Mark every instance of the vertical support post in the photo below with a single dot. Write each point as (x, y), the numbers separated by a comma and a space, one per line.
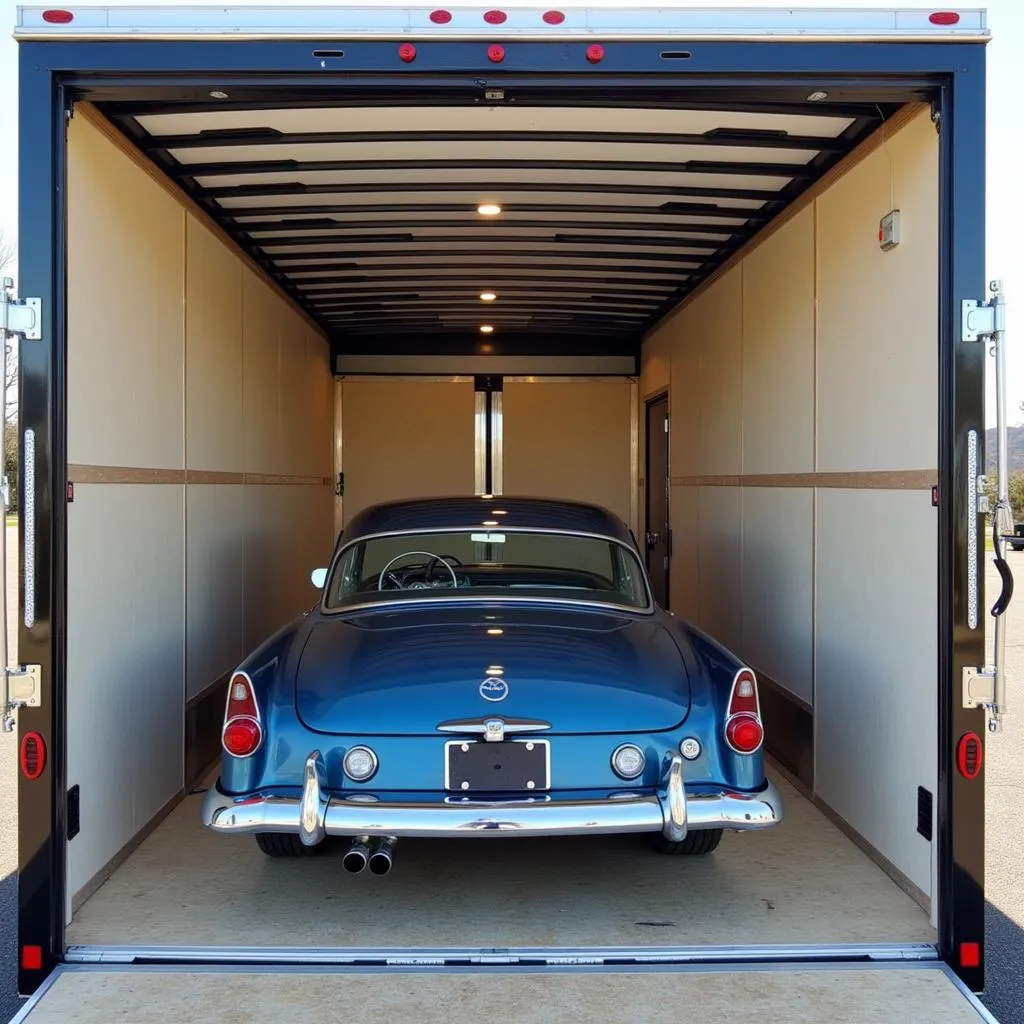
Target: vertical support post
(961, 801)
(41, 256)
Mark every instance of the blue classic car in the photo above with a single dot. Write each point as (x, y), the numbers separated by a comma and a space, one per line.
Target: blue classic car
(488, 667)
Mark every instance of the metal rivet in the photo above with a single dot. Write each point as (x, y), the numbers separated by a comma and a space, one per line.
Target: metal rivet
(465, 747)
(531, 784)
(465, 785)
(529, 746)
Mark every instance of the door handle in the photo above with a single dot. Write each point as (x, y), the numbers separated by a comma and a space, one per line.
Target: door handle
(653, 540)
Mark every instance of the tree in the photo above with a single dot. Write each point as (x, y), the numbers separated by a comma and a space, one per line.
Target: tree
(7, 254)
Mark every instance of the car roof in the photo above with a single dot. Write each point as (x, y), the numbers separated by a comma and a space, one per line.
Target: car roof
(466, 513)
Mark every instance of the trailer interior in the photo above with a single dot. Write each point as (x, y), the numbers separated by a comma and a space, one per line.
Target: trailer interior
(275, 309)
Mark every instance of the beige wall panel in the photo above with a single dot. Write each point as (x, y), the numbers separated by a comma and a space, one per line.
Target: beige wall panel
(778, 351)
(875, 708)
(213, 344)
(569, 440)
(877, 311)
(684, 575)
(684, 397)
(655, 364)
(125, 663)
(405, 439)
(778, 585)
(718, 558)
(293, 400)
(214, 583)
(125, 310)
(261, 375)
(718, 324)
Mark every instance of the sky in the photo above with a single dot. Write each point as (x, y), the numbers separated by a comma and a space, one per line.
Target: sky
(1004, 156)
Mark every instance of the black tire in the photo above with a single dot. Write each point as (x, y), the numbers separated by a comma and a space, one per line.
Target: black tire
(696, 843)
(284, 844)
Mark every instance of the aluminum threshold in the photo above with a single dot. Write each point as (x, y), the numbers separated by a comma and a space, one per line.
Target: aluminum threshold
(522, 956)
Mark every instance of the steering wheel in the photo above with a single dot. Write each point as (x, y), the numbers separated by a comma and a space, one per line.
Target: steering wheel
(434, 559)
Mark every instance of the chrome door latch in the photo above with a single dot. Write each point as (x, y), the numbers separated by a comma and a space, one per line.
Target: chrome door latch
(22, 689)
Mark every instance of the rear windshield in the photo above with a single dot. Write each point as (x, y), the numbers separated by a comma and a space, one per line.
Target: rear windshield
(495, 563)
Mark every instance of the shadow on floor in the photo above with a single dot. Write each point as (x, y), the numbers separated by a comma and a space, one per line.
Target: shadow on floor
(9, 1001)
(1004, 954)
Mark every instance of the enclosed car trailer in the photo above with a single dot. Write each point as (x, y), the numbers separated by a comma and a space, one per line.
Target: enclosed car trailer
(737, 261)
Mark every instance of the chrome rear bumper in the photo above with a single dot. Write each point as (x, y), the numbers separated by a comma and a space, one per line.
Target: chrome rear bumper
(315, 814)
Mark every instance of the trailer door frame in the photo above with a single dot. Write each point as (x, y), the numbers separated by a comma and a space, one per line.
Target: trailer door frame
(52, 74)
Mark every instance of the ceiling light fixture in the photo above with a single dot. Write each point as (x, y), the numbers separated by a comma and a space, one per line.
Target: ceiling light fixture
(488, 296)
(489, 210)
(218, 94)
(818, 94)
(486, 329)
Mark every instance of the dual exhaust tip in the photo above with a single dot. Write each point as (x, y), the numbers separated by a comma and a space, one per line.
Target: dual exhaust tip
(376, 855)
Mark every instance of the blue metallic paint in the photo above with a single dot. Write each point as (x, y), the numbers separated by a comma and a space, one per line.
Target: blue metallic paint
(387, 676)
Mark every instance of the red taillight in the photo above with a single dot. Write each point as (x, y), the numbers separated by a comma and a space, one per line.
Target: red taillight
(944, 18)
(440, 17)
(242, 736)
(595, 53)
(553, 17)
(743, 729)
(495, 17)
(242, 733)
(744, 733)
(57, 17)
(32, 756)
(407, 52)
(969, 755)
(496, 53)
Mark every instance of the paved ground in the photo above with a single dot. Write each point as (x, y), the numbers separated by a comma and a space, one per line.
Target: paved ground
(1005, 850)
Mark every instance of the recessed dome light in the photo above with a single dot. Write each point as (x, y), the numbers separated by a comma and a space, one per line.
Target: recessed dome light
(488, 209)
(486, 329)
(488, 296)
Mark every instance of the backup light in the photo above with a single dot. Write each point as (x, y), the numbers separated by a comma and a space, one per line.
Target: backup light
(628, 761)
(360, 763)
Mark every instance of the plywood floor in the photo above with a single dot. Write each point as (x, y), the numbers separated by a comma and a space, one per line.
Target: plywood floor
(802, 882)
(794, 996)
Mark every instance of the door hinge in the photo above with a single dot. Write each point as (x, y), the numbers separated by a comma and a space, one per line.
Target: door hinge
(23, 317)
(22, 689)
(980, 321)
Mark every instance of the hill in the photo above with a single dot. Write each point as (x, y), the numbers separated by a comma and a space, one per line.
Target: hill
(1014, 449)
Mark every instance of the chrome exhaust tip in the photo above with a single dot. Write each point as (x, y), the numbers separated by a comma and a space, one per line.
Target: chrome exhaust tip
(383, 856)
(358, 855)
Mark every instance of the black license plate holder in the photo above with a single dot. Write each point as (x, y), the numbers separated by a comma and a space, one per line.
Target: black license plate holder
(510, 766)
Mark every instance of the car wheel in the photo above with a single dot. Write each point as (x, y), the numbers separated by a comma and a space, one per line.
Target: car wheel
(283, 844)
(696, 843)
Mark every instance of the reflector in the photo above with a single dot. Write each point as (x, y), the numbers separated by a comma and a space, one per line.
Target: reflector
(407, 52)
(744, 733)
(595, 53)
(242, 737)
(496, 53)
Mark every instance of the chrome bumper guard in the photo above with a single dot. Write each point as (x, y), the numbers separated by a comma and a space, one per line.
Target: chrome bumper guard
(316, 814)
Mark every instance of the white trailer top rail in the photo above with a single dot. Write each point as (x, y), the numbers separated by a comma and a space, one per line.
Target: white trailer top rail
(538, 22)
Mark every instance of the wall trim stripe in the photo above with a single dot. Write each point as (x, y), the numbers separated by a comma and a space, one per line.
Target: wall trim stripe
(873, 480)
(87, 474)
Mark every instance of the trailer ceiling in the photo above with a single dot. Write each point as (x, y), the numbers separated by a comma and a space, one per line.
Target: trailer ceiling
(611, 211)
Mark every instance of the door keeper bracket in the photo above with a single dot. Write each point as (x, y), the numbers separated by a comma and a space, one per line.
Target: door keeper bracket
(979, 687)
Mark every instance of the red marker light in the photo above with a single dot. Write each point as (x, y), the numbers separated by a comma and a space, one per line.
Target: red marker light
(496, 53)
(440, 17)
(970, 954)
(407, 52)
(32, 756)
(595, 53)
(495, 17)
(58, 17)
(944, 18)
(553, 17)
(31, 958)
(970, 755)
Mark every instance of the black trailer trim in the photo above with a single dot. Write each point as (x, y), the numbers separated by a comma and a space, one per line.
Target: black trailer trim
(161, 76)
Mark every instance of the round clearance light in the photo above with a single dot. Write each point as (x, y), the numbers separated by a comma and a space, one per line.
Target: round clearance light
(440, 17)
(690, 748)
(744, 733)
(486, 329)
(496, 53)
(553, 17)
(817, 96)
(495, 17)
(360, 763)
(628, 761)
(489, 210)
(242, 737)
(488, 296)
(407, 53)
(595, 53)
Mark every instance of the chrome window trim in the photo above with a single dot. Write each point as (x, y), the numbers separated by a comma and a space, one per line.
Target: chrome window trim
(647, 609)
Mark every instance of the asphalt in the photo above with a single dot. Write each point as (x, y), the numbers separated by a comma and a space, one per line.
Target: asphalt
(1004, 994)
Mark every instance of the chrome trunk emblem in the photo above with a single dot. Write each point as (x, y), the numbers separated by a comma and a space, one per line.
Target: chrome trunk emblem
(494, 689)
(494, 730)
